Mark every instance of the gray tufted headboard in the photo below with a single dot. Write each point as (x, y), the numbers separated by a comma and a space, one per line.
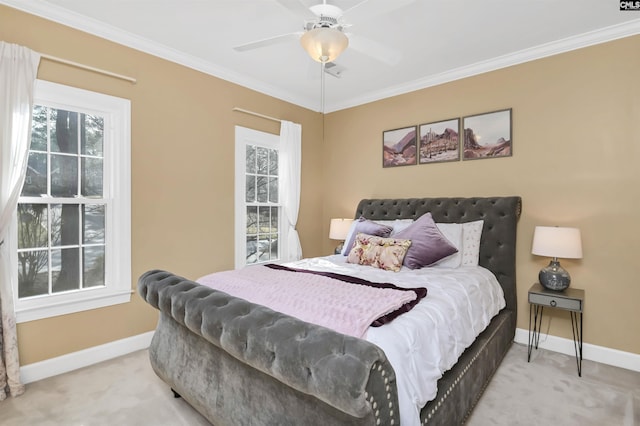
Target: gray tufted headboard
(498, 243)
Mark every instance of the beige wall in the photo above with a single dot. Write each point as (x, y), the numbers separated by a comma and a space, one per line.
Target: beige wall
(182, 171)
(576, 143)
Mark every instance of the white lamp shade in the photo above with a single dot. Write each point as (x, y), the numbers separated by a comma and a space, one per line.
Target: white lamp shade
(339, 229)
(554, 241)
(324, 44)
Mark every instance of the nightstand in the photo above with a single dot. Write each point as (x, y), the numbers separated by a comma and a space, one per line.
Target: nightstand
(571, 300)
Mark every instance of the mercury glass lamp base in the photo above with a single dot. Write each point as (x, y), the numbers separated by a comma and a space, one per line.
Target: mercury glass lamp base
(338, 249)
(554, 277)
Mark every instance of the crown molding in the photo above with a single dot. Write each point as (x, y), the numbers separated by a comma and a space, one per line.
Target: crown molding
(108, 32)
(568, 44)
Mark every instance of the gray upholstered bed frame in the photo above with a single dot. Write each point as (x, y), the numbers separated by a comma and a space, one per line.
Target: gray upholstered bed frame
(238, 363)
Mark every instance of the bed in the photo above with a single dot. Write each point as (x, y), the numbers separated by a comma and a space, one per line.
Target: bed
(240, 363)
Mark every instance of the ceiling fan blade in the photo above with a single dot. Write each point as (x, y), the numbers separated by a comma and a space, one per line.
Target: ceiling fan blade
(368, 9)
(374, 49)
(283, 38)
(298, 8)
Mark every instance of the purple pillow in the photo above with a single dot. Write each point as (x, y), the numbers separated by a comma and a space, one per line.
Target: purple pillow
(428, 245)
(365, 226)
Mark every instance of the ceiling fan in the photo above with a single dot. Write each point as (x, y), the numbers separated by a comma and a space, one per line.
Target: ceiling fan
(324, 37)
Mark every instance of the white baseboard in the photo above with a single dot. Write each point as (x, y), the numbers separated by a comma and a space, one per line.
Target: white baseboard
(608, 356)
(75, 360)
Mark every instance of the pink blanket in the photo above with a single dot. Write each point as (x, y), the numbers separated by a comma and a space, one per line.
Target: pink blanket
(344, 307)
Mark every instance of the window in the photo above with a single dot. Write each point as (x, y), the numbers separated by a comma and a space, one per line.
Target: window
(72, 227)
(258, 209)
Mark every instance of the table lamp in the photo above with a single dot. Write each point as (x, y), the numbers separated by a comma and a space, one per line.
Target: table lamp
(338, 230)
(556, 242)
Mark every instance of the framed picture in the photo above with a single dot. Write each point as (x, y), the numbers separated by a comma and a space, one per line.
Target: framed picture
(439, 141)
(487, 135)
(399, 147)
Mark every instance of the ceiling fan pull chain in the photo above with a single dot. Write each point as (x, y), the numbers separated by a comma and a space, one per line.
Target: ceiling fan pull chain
(322, 87)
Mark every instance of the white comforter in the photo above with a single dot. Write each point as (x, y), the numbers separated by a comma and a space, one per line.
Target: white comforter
(428, 340)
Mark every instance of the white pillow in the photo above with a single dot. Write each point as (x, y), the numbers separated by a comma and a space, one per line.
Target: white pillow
(452, 232)
(352, 228)
(471, 234)
(397, 225)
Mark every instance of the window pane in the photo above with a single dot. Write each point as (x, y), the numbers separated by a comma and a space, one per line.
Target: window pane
(252, 220)
(273, 189)
(64, 176)
(65, 269)
(33, 273)
(35, 182)
(93, 267)
(93, 224)
(264, 248)
(251, 159)
(92, 135)
(263, 160)
(274, 246)
(274, 219)
(65, 229)
(262, 187)
(64, 132)
(39, 129)
(273, 162)
(252, 250)
(251, 189)
(264, 219)
(92, 177)
(32, 226)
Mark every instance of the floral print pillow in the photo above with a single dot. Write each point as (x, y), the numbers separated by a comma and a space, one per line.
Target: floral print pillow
(379, 252)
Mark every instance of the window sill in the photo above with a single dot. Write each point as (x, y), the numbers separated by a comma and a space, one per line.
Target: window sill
(64, 307)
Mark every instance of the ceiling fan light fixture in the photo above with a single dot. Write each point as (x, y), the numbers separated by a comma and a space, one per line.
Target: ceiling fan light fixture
(324, 44)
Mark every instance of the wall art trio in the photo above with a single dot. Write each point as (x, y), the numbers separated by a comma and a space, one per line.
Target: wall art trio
(486, 135)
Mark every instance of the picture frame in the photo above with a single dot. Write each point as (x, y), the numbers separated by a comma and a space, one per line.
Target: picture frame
(439, 141)
(399, 147)
(487, 135)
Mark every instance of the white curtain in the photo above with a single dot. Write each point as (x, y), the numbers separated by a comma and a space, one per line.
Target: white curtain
(290, 144)
(18, 68)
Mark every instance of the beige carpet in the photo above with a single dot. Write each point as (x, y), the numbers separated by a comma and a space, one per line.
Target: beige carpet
(547, 391)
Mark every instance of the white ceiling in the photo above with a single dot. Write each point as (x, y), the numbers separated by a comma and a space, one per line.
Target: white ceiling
(436, 40)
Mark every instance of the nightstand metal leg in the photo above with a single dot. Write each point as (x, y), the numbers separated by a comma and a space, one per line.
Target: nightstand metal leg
(577, 339)
(535, 314)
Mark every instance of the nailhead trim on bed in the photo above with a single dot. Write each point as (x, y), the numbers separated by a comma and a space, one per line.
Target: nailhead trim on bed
(460, 383)
(383, 413)
(453, 385)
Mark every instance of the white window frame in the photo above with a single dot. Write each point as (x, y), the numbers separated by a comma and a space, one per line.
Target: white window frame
(116, 193)
(243, 137)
